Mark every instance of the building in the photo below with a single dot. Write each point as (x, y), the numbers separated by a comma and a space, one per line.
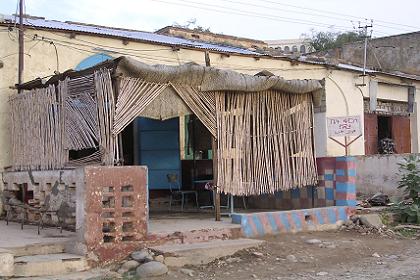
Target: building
(112, 209)
(391, 53)
(290, 45)
(210, 37)
(53, 46)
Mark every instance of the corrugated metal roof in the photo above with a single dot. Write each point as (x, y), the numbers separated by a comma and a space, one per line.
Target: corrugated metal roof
(129, 34)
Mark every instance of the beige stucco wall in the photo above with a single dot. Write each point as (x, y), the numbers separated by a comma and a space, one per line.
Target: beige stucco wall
(343, 97)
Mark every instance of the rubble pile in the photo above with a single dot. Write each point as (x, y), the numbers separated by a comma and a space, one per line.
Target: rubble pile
(368, 225)
(143, 263)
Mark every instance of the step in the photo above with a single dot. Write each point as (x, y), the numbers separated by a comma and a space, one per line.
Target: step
(49, 264)
(178, 255)
(38, 249)
(167, 231)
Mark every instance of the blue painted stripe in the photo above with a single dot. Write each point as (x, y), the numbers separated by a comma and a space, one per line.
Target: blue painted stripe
(345, 187)
(342, 213)
(284, 221)
(346, 202)
(331, 215)
(258, 225)
(319, 217)
(247, 228)
(296, 221)
(273, 223)
(329, 193)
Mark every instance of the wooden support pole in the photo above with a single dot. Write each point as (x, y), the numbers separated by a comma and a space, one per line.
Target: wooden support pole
(216, 189)
(214, 153)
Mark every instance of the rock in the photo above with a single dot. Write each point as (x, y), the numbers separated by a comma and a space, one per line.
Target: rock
(258, 254)
(376, 255)
(141, 255)
(313, 241)
(371, 220)
(129, 265)
(188, 272)
(160, 258)
(291, 258)
(393, 257)
(232, 260)
(322, 273)
(254, 276)
(148, 259)
(151, 269)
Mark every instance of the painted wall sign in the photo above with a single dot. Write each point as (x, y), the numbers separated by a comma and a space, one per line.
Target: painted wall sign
(344, 126)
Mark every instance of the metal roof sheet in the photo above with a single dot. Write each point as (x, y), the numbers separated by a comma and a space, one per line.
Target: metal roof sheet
(124, 33)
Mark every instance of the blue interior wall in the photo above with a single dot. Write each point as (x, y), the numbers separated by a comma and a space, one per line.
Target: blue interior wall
(158, 149)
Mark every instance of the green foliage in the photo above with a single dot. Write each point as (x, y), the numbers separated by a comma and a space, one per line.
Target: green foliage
(410, 182)
(321, 41)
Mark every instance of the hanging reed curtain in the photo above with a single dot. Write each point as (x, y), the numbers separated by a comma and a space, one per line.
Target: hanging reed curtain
(264, 142)
(37, 129)
(134, 96)
(106, 112)
(202, 104)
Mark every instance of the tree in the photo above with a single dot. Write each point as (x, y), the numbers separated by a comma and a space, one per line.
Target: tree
(321, 41)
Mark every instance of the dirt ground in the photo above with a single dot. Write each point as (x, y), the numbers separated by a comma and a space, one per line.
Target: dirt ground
(340, 255)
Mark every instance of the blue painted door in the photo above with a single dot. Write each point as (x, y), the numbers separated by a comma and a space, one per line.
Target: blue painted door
(159, 150)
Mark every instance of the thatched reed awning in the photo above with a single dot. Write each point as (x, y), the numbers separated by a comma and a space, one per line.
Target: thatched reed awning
(262, 124)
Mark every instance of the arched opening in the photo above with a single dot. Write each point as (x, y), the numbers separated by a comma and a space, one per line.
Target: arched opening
(92, 61)
(294, 49)
(286, 49)
(302, 49)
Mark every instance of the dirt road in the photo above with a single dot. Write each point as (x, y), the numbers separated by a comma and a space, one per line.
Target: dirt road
(319, 255)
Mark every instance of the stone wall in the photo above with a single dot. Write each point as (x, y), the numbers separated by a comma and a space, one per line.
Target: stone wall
(392, 53)
(53, 190)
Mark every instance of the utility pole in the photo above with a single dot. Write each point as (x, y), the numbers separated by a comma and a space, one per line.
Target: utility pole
(365, 31)
(21, 46)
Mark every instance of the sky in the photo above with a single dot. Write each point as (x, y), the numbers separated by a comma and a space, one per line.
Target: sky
(257, 19)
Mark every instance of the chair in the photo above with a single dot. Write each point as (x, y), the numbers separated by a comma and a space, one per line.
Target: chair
(176, 191)
(13, 205)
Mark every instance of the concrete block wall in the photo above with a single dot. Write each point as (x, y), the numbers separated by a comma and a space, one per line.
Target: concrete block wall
(270, 223)
(112, 211)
